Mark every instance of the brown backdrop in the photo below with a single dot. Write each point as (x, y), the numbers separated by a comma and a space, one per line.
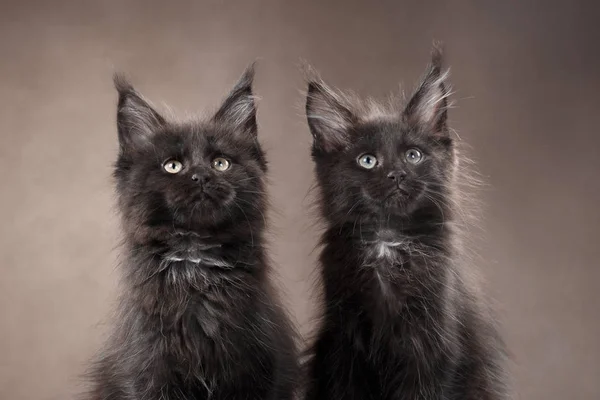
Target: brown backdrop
(526, 81)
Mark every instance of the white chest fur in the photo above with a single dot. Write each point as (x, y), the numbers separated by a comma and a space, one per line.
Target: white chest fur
(200, 254)
(385, 250)
(385, 257)
(206, 260)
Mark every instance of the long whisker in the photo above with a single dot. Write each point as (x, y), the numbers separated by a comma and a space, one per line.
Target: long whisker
(253, 207)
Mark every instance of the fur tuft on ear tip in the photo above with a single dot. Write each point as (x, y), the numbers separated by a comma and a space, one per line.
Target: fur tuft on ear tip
(329, 116)
(428, 106)
(317, 88)
(239, 109)
(122, 83)
(437, 55)
(136, 118)
(318, 91)
(247, 79)
(309, 73)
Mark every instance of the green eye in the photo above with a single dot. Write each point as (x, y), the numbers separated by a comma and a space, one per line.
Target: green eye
(221, 164)
(367, 161)
(173, 166)
(413, 156)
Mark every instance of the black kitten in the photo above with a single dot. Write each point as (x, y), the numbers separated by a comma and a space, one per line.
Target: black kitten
(198, 318)
(399, 322)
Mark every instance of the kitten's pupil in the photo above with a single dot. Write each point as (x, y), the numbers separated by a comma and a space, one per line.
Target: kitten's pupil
(173, 166)
(367, 161)
(221, 164)
(413, 156)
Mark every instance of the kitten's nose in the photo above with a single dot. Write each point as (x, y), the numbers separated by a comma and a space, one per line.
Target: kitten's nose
(201, 177)
(397, 176)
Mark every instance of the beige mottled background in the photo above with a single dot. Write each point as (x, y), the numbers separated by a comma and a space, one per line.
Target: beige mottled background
(527, 86)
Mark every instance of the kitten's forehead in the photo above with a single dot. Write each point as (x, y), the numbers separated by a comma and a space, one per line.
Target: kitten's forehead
(388, 133)
(382, 132)
(180, 139)
(195, 139)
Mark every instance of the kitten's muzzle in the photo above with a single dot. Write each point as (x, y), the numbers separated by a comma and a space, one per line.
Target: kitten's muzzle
(398, 177)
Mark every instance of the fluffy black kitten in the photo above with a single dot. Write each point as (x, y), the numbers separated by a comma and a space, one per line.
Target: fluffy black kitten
(198, 318)
(399, 321)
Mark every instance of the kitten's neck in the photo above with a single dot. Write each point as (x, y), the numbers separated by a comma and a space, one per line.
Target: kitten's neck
(397, 249)
(163, 249)
(140, 236)
(386, 269)
(391, 230)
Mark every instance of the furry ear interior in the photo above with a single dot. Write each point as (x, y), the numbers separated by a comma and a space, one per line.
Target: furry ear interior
(137, 121)
(239, 108)
(329, 118)
(428, 107)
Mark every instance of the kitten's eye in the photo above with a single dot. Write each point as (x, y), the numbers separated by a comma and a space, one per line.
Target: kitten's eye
(367, 161)
(221, 164)
(413, 156)
(173, 166)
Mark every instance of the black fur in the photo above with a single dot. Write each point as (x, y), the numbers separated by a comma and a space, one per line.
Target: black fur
(399, 321)
(198, 317)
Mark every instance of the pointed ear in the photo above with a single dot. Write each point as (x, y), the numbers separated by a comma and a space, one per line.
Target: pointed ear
(238, 108)
(428, 107)
(329, 118)
(137, 121)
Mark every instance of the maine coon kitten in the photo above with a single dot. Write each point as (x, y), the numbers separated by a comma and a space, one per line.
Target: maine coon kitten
(398, 322)
(198, 318)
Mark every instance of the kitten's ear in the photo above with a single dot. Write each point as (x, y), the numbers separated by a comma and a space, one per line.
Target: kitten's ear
(329, 118)
(238, 108)
(137, 121)
(428, 107)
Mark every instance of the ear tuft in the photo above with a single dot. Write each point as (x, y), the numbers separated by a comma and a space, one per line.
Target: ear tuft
(239, 107)
(437, 55)
(122, 84)
(428, 107)
(137, 121)
(329, 116)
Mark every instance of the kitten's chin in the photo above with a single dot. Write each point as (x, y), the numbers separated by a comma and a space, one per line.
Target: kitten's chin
(392, 202)
(400, 202)
(198, 215)
(202, 206)
(212, 198)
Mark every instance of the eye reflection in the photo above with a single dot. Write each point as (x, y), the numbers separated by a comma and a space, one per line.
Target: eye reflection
(413, 156)
(367, 161)
(221, 164)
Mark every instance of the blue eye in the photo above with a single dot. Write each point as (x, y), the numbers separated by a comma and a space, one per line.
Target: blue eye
(413, 156)
(367, 161)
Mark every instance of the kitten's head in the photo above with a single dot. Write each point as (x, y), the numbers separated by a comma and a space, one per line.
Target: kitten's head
(380, 163)
(194, 175)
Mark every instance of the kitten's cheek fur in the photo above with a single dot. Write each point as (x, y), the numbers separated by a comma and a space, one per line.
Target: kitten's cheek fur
(226, 199)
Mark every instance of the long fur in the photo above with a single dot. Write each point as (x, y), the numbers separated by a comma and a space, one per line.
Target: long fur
(198, 318)
(401, 318)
